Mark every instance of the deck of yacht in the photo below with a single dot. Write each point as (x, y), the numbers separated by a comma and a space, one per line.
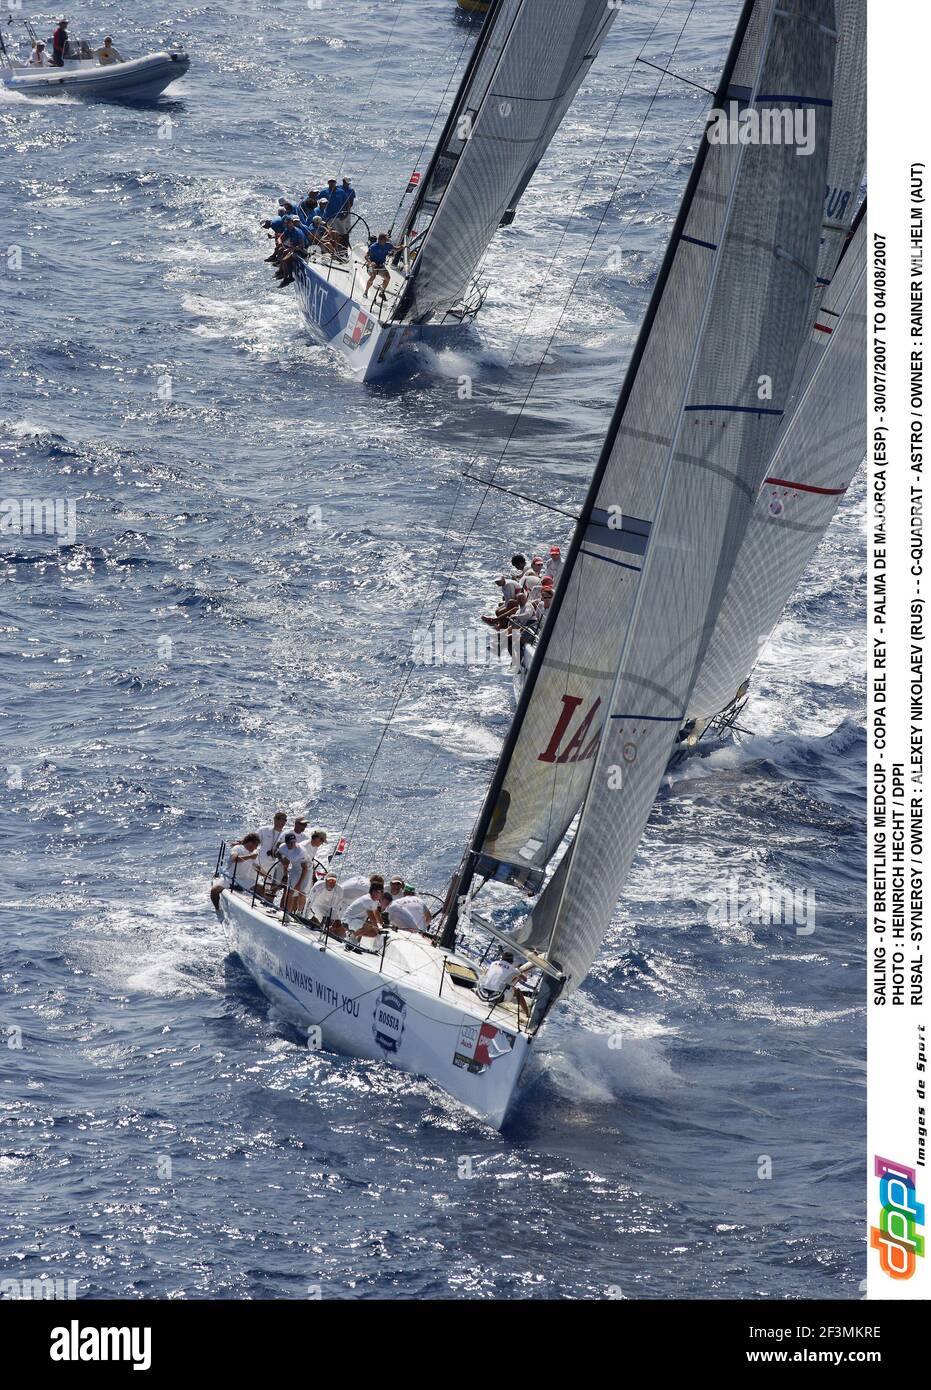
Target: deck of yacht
(350, 274)
(406, 958)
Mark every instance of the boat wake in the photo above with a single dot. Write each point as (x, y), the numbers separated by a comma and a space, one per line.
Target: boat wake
(793, 755)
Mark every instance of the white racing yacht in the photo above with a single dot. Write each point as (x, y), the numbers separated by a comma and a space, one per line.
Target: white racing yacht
(528, 63)
(653, 558)
(83, 75)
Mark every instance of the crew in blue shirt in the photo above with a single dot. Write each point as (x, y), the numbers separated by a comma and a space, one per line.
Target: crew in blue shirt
(375, 258)
(335, 198)
(294, 242)
(294, 234)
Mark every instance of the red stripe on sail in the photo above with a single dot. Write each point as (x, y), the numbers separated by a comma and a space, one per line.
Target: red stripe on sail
(807, 487)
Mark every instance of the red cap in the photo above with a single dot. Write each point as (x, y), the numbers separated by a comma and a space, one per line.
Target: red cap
(555, 550)
(537, 559)
(546, 582)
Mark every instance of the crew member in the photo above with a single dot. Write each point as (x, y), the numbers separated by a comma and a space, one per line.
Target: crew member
(60, 44)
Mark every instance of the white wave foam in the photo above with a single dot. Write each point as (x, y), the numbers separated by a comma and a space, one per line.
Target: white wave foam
(595, 1057)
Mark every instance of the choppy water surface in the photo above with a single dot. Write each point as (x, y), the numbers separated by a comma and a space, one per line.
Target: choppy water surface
(201, 652)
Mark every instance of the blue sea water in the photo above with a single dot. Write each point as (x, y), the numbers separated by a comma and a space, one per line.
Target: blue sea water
(202, 651)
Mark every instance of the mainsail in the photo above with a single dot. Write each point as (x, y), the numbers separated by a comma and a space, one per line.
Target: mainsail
(528, 65)
(816, 458)
(687, 450)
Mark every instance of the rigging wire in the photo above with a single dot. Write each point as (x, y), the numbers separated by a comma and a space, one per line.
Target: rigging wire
(429, 135)
(354, 814)
(399, 7)
(395, 130)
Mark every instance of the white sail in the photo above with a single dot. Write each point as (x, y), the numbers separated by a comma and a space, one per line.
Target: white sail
(788, 523)
(847, 155)
(815, 461)
(531, 59)
(694, 429)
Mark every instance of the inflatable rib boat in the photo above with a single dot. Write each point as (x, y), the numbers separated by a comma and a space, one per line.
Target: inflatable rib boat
(133, 80)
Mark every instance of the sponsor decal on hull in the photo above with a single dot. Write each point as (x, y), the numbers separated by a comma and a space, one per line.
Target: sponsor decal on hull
(388, 1021)
(479, 1045)
(359, 329)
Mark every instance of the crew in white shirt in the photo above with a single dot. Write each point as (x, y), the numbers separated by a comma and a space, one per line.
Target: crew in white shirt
(269, 836)
(324, 898)
(363, 917)
(241, 868)
(499, 978)
(534, 575)
(357, 886)
(296, 863)
(300, 830)
(407, 912)
(554, 563)
(37, 58)
(315, 845)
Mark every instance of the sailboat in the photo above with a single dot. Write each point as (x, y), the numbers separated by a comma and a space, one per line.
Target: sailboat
(689, 445)
(527, 65)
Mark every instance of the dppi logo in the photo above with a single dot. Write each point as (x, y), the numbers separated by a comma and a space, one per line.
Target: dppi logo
(388, 1020)
(896, 1236)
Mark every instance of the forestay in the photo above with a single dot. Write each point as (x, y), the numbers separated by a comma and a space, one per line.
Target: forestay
(817, 456)
(687, 450)
(532, 57)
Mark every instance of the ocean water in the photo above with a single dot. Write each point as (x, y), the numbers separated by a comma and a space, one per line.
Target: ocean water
(256, 539)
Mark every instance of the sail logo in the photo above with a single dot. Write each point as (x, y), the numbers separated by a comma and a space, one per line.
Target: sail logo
(896, 1237)
(582, 744)
(388, 1020)
(835, 202)
(738, 124)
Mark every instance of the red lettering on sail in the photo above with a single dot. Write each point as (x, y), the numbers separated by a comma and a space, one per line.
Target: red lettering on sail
(569, 705)
(553, 754)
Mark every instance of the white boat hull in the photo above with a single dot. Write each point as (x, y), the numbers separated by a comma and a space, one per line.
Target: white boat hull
(136, 79)
(400, 1007)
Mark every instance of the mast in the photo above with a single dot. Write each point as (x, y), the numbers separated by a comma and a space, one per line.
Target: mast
(463, 880)
(455, 112)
